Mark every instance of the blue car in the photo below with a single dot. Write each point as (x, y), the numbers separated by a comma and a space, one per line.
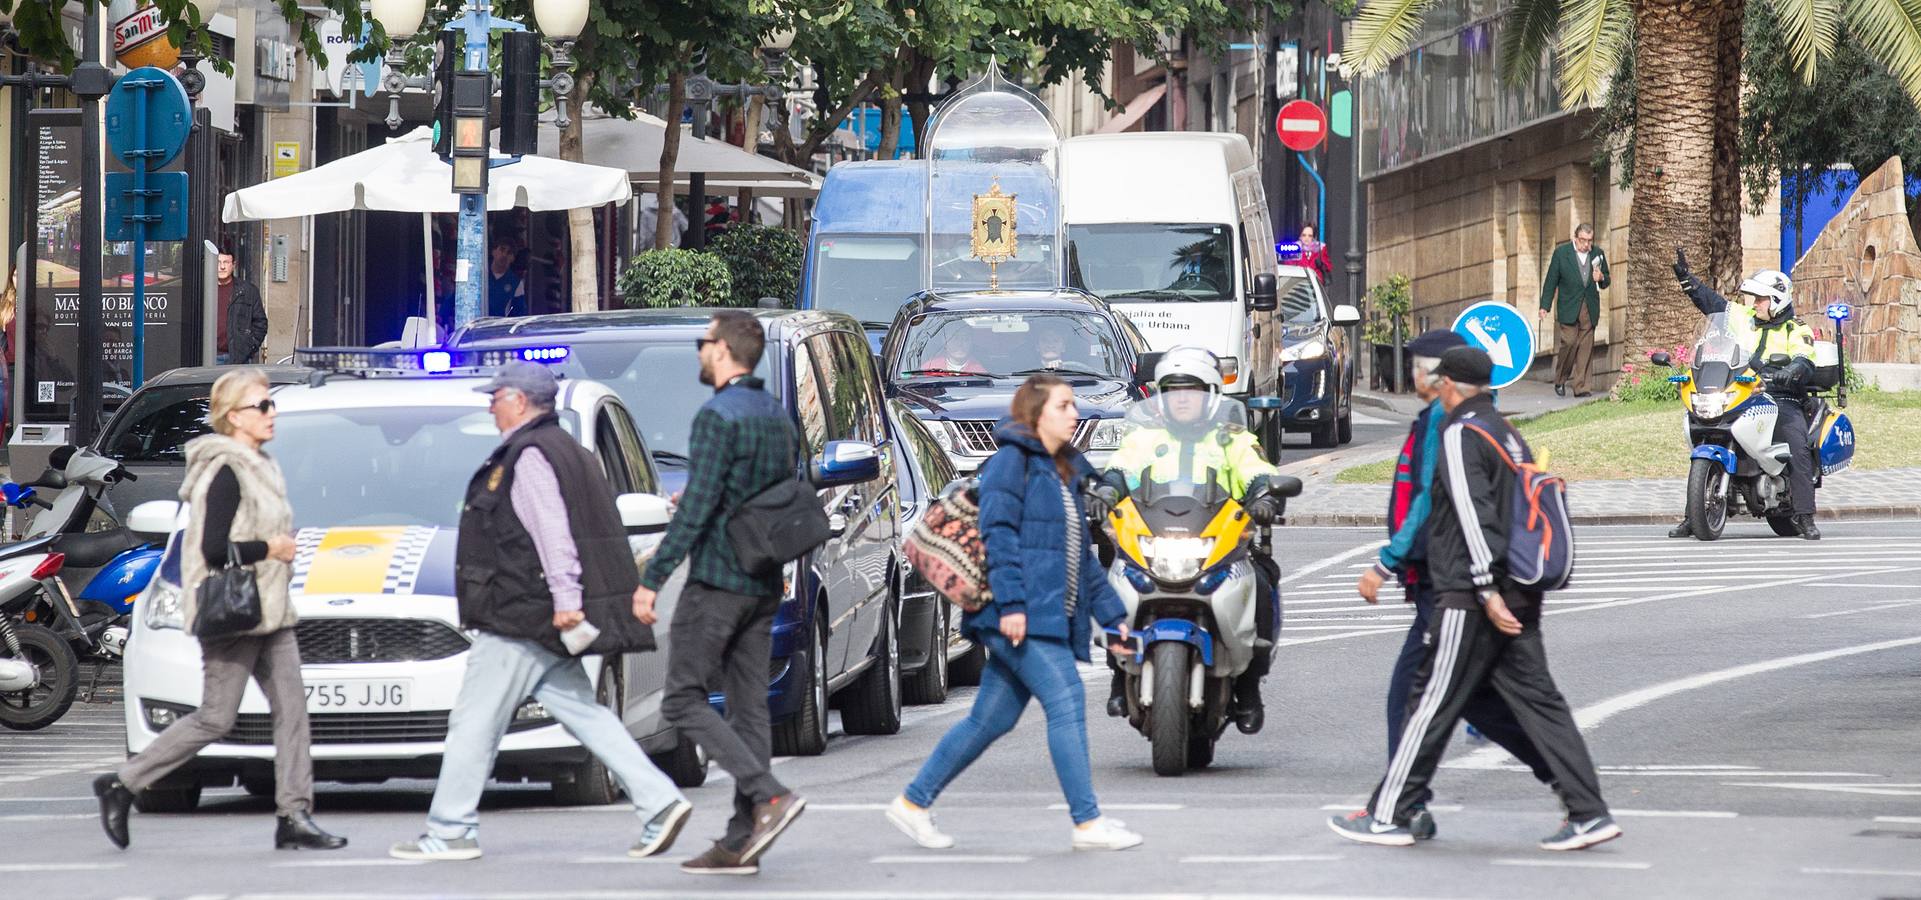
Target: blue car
(836, 636)
(1317, 363)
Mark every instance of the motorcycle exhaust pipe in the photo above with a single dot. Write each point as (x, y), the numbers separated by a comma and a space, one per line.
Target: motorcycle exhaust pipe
(17, 675)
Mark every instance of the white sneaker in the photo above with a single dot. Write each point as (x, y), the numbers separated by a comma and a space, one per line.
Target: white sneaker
(1104, 834)
(917, 824)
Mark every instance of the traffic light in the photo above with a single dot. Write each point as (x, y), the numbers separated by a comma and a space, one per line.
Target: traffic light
(473, 94)
(519, 93)
(447, 60)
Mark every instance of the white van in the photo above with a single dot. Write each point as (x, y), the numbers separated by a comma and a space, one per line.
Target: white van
(1172, 229)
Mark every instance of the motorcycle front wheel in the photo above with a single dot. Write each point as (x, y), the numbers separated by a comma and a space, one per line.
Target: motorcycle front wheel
(1707, 498)
(44, 703)
(1169, 722)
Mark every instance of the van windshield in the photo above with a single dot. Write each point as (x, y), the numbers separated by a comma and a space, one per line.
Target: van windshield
(1136, 262)
(867, 276)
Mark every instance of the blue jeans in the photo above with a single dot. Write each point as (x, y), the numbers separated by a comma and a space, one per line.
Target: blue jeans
(1037, 668)
(502, 673)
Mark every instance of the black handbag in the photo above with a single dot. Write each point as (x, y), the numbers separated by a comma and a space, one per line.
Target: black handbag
(777, 526)
(227, 602)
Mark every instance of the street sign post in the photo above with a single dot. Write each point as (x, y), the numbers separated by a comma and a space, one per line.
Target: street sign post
(1506, 335)
(1301, 126)
(149, 117)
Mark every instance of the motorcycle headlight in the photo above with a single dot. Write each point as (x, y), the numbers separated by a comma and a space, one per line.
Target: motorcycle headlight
(1314, 349)
(161, 606)
(1711, 404)
(1107, 435)
(1176, 559)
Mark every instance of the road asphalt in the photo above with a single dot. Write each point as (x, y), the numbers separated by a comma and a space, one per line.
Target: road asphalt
(1752, 705)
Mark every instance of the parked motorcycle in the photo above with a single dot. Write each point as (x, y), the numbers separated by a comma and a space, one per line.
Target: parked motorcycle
(1183, 569)
(1730, 425)
(39, 673)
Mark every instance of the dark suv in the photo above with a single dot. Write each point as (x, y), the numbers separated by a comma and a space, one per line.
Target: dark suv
(837, 633)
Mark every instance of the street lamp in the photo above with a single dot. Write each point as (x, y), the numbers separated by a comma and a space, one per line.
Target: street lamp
(190, 57)
(400, 18)
(560, 23)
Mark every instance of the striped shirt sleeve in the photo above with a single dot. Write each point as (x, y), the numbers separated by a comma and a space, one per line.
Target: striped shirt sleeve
(542, 511)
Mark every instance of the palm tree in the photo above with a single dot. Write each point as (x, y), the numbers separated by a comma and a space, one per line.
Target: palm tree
(1687, 94)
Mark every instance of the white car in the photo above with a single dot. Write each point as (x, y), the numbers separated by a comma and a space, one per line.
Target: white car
(377, 461)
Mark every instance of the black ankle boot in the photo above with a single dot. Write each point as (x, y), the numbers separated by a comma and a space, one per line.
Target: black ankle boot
(298, 832)
(1249, 716)
(1805, 524)
(1683, 530)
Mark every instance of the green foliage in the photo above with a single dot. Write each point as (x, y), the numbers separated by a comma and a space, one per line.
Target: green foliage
(675, 277)
(763, 260)
(1649, 383)
(1393, 299)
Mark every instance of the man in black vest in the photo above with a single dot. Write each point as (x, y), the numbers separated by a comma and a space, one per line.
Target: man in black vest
(531, 566)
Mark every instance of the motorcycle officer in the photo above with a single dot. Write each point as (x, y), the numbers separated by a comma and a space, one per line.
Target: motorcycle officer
(1189, 381)
(1766, 314)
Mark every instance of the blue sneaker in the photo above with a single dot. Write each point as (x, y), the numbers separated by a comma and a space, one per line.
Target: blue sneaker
(1421, 824)
(1582, 835)
(658, 835)
(1361, 826)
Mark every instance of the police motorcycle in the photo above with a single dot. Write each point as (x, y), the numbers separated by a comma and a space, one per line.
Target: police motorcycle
(60, 550)
(1730, 424)
(1183, 569)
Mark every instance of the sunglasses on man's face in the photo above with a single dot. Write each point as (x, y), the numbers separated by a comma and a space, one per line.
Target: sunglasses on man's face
(700, 343)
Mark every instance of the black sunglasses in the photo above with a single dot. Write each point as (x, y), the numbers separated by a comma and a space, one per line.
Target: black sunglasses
(700, 343)
(263, 407)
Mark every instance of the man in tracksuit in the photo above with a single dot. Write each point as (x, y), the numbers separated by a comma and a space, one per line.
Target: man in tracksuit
(1485, 631)
(1405, 560)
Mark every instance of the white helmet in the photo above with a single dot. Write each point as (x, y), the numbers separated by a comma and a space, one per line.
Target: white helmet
(1189, 362)
(1772, 286)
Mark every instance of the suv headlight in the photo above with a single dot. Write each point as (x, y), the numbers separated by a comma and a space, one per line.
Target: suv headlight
(1107, 434)
(1314, 349)
(1710, 405)
(943, 434)
(161, 606)
(1176, 559)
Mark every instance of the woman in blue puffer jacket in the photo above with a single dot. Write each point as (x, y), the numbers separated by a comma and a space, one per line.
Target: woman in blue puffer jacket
(1047, 587)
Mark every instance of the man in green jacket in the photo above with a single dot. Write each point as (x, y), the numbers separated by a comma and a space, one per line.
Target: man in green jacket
(1575, 277)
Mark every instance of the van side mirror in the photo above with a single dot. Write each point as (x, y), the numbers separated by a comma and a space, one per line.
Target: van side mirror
(845, 462)
(155, 519)
(1345, 315)
(643, 513)
(1264, 297)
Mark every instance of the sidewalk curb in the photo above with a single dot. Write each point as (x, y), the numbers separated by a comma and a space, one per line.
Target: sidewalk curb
(1844, 514)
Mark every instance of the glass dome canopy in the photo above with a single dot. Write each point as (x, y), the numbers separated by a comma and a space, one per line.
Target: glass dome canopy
(993, 191)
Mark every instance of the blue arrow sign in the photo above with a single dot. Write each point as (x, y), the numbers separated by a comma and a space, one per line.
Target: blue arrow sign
(1506, 335)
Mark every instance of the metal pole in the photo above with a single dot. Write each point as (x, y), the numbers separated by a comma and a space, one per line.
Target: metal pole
(139, 166)
(86, 394)
(1354, 230)
(697, 186)
(470, 266)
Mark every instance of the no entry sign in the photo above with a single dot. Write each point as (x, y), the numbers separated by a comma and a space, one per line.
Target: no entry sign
(1302, 125)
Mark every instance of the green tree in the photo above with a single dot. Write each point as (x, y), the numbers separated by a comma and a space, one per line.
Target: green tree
(762, 260)
(674, 277)
(1686, 58)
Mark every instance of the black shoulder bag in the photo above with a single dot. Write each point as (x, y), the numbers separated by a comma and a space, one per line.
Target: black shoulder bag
(777, 526)
(227, 602)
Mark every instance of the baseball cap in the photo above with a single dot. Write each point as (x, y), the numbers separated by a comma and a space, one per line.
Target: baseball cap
(533, 380)
(1466, 365)
(1434, 343)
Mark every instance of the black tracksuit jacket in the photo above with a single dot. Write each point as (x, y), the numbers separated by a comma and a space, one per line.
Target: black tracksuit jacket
(1468, 527)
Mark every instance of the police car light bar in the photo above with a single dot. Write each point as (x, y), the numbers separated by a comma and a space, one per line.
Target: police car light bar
(1840, 312)
(404, 361)
(1287, 249)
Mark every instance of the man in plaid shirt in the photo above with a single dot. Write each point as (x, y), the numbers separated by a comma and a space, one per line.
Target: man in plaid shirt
(743, 442)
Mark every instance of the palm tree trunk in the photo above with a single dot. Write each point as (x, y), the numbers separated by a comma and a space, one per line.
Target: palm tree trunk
(1675, 162)
(584, 252)
(1724, 242)
(669, 154)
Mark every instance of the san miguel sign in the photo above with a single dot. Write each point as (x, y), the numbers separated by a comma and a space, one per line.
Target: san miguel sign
(140, 36)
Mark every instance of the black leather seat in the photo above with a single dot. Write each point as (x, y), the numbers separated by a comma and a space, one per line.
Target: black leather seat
(92, 550)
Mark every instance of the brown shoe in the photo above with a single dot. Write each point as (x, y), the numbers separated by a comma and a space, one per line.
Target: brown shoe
(719, 860)
(770, 819)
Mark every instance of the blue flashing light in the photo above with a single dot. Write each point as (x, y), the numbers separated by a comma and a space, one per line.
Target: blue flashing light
(436, 362)
(1840, 312)
(545, 354)
(1678, 379)
(1287, 249)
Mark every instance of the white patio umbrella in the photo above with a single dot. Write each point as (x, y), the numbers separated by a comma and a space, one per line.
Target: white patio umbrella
(404, 175)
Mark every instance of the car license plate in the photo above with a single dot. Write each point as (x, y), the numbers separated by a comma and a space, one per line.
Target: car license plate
(359, 696)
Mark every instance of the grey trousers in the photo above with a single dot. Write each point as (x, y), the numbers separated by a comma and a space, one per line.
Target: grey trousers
(726, 639)
(274, 661)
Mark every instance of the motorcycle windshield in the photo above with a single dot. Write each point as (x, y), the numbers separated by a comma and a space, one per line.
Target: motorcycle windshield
(1157, 441)
(1722, 352)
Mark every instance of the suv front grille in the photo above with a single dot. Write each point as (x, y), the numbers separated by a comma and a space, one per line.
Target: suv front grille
(326, 641)
(977, 435)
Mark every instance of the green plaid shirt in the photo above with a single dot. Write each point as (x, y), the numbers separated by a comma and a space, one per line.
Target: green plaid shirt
(743, 442)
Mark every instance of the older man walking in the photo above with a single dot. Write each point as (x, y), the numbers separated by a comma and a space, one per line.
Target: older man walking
(541, 554)
(1576, 275)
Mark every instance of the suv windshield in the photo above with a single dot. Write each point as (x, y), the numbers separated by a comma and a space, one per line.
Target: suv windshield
(659, 381)
(1152, 262)
(382, 466)
(1299, 305)
(1011, 344)
(867, 276)
(156, 426)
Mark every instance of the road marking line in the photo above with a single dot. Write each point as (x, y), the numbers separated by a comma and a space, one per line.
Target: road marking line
(1854, 584)
(45, 817)
(1334, 560)
(1673, 814)
(43, 799)
(1679, 767)
(1572, 864)
(58, 867)
(1129, 807)
(1885, 790)
(847, 807)
(1876, 608)
(1591, 717)
(345, 863)
(916, 860)
(629, 860)
(1894, 873)
(1899, 820)
(1281, 858)
(1351, 807)
(1750, 774)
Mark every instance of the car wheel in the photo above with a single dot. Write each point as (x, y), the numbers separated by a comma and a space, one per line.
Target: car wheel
(929, 685)
(175, 797)
(873, 707)
(686, 764)
(805, 732)
(1326, 435)
(589, 783)
(1344, 427)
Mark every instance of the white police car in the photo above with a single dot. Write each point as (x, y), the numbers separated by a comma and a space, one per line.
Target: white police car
(378, 447)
